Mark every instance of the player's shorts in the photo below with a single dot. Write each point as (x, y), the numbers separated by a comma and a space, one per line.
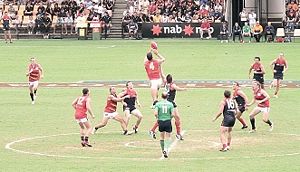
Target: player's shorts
(82, 120)
(242, 109)
(278, 76)
(228, 121)
(259, 79)
(155, 83)
(263, 109)
(129, 108)
(34, 83)
(110, 115)
(6, 27)
(165, 126)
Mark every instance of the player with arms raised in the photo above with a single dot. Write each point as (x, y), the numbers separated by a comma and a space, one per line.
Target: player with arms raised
(35, 73)
(279, 67)
(82, 105)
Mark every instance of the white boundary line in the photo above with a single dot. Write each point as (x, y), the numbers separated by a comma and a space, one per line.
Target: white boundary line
(8, 146)
(172, 146)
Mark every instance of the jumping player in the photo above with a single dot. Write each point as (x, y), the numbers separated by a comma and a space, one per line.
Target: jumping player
(129, 105)
(153, 70)
(35, 73)
(228, 108)
(241, 99)
(261, 98)
(82, 105)
(279, 67)
(164, 111)
(258, 71)
(110, 111)
(171, 89)
(6, 19)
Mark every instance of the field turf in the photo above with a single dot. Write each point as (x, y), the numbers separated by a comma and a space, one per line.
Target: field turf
(53, 142)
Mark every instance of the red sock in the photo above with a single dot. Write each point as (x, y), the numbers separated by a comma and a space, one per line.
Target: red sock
(224, 146)
(228, 144)
(178, 127)
(242, 121)
(154, 127)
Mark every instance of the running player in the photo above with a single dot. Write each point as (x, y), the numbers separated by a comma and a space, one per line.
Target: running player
(129, 105)
(35, 73)
(82, 105)
(110, 111)
(153, 70)
(261, 98)
(241, 99)
(6, 19)
(279, 67)
(171, 89)
(164, 111)
(228, 108)
(258, 71)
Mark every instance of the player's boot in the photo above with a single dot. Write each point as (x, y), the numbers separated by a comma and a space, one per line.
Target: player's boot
(94, 130)
(32, 102)
(87, 144)
(271, 127)
(179, 137)
(224, 149)
(83, 144)
(244, 127)
(252, 131)
(165, 154)
(125, 132)
(135, 129)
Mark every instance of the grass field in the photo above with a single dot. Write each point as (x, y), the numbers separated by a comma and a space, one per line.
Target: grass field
(50, 129)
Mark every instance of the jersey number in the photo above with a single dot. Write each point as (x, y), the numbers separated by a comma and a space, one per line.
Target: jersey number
(151, 66)
(230, 104)
(164, 109)
(80, 100)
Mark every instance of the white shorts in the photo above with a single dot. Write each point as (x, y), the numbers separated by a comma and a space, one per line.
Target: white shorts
(110, 115)
(34, 84)
(155, 83)
(263, 109)
(82, 120)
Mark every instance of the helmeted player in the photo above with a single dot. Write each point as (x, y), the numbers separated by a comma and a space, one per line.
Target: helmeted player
(279, 67)
(35, 73)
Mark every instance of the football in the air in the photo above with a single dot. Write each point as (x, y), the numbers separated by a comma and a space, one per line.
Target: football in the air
(154, 45)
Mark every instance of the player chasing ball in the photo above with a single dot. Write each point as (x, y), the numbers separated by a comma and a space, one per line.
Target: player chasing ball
(35, 73)
(82, 105)
(228, 108)
(110, 111)
(279, 67)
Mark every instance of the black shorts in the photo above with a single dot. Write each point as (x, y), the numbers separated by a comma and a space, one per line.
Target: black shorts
(259, 79)
(278, 76)
(165, 126)
(228, 121)
(6, 27)
(129, 108)
(242, 109)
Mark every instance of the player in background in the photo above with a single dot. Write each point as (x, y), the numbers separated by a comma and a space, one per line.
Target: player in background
(164, 111)
(228, 108)
(153, 70)
(279, 67)
(82, 105)
(110, 111)
(258, 71)
(6, 19)
(129, 105)
(35, 73)
(241, 100)
(261, 98)
(171, 89)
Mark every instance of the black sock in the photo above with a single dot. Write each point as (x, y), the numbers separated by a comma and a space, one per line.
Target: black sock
(82, 138)
(35, 91)
(86, 139)
(269, 122)
(96, 128)
(252, 123)
(31, 95)
(125, 132)
(154, 102)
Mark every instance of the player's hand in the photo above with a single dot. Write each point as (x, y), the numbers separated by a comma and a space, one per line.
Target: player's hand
(125, 104)
(274, 71)
(154, 51)
(214, 119)
(140, 105)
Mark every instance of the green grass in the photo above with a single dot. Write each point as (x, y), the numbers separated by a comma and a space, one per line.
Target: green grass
(71, 61)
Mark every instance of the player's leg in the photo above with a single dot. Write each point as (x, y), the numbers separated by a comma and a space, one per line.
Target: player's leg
(139, 116)
(240, 118)
(9, 36)
(277, 84)
(177, 124)
(223, 138)
(101, 124)
(154, 90)
(152, 131)
(127, 116)
(82, 132)
(35, 86)
(87, 133)
(122, 122)
(5, 35)
(266, 119)
(31, 92)
(229, 137)
(252, 115)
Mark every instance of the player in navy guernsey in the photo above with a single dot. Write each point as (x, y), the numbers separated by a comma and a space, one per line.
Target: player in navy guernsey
(171, 89)
(241, 99)
(258, 71)
(279, 67)
(228, 108)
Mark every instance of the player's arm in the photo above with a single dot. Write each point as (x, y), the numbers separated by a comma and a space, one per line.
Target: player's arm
(243, 95)
(272, 65)
(118, 99)
(285, 66)
(137, 101)
(263, 71)
(177, 88)
(120, 95)
(267, 97)
(74, 103)
(221, 108)
(251, 103)
(41, 71)
(162, 74)
(156, 112)
(89, 108)
(29, 71)
(250, 70)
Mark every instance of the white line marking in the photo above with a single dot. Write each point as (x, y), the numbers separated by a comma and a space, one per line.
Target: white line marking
(108, 46)
(130, 145)
(172, 146)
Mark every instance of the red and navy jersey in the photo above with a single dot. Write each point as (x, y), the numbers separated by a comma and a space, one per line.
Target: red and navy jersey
(131, 100)
(6, 19)
(229, 108)
(279, 65)
(80, 107)
(34, 75)
(239, 99)
(171, 92)
(259, 96)
(257, 67)
(111, 106)
(152, 69)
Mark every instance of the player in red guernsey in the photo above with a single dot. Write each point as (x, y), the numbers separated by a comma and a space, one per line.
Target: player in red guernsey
(129, 105)
(258, 71)
(82, 106)
(261, 98)
(279, 67)
(241, 100)
(153, 70)
(110, 111)
(35, 73)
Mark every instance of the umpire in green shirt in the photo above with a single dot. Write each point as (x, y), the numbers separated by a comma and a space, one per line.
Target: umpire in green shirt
(164, 111)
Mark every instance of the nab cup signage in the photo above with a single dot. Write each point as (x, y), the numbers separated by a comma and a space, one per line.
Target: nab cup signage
(171, 30)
